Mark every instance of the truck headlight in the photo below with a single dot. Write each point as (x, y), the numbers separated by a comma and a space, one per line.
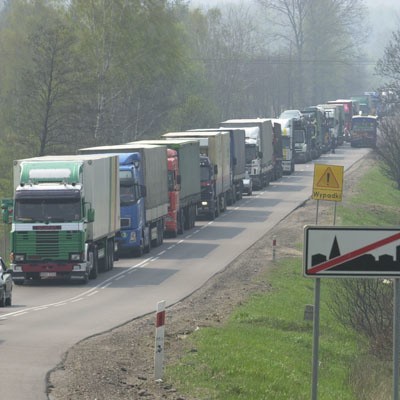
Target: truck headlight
(204, 203)
(19, 257)
(75, 256)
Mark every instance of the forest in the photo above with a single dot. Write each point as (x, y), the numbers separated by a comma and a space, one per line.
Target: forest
(83, 72)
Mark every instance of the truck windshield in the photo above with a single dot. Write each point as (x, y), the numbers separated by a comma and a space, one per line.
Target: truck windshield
(363, 124)
(205, 175)
(47, 210)
(251, 153)
(129, 192)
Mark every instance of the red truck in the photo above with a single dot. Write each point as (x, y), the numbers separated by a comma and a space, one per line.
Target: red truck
(183, 183)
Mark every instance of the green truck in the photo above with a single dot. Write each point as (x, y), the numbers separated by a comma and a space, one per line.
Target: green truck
(65, 217)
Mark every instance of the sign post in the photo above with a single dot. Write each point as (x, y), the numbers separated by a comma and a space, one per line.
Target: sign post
(159, 344)
(396, 338)
(356, 252)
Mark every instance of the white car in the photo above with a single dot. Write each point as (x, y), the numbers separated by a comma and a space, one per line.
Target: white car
(247, 184)
(289, 114)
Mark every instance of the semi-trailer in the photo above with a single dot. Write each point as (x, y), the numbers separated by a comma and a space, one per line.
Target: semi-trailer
(65, 218)
(145, 229)
(214, 167)
(237, 161)
(183, 182)
(259, 148)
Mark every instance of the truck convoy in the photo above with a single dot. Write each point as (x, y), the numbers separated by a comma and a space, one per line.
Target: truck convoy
(183, 183)
(66, 216)
(259, 148)
(142, 218)
(215, 169)
(71, 215)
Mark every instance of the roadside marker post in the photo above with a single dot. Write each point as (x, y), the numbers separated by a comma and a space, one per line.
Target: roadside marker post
(273, 248)
(159, 342)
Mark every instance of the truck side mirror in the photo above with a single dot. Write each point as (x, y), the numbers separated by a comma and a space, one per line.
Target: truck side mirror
(90, 215)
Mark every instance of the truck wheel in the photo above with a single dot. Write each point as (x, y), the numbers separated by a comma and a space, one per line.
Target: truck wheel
(146, 248)
(94, 272)
(160, 233)
(110, 255)
(181, 222)
(3, 299)
(193, 216)
(9, 300)
(223, 202)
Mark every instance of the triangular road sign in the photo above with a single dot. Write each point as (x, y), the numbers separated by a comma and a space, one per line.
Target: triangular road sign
(328, 180)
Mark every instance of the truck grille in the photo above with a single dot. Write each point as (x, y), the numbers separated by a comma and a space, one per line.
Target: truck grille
(47, 245)
(125, 222)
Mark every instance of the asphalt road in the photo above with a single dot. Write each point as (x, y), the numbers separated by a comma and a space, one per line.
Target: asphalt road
(48, 317)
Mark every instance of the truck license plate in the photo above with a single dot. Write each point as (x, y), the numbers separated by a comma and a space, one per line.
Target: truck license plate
(48, 274)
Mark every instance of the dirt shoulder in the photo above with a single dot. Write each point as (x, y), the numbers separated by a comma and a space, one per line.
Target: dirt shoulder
(118, 365)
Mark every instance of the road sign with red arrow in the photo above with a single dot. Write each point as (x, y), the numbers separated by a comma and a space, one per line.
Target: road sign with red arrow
(351, 251)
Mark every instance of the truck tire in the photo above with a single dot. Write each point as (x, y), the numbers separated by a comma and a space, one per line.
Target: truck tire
(110, 255)
(160, 233)
(181, 222)
(3, 299)
(193, 216)
(146, 247)
(94, 272)
(9, 300)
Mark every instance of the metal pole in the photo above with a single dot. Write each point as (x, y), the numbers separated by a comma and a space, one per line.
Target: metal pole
(314, 386)
(396, 338)
(334, 215)
(316, 217)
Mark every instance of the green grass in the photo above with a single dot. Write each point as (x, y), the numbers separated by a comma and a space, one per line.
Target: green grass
(264, 351)
(375, 204)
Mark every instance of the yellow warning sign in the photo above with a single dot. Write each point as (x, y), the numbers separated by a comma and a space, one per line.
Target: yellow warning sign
(328, 182)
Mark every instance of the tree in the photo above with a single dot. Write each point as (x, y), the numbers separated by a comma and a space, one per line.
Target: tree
(366, 306)
(388, 67)
(321, 38)
(388, 147)
(41, 78)
(49, 91)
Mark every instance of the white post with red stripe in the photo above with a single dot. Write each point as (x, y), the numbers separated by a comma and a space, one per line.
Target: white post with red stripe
(159, 343)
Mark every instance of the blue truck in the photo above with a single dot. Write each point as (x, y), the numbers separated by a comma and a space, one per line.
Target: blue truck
(144, 194)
